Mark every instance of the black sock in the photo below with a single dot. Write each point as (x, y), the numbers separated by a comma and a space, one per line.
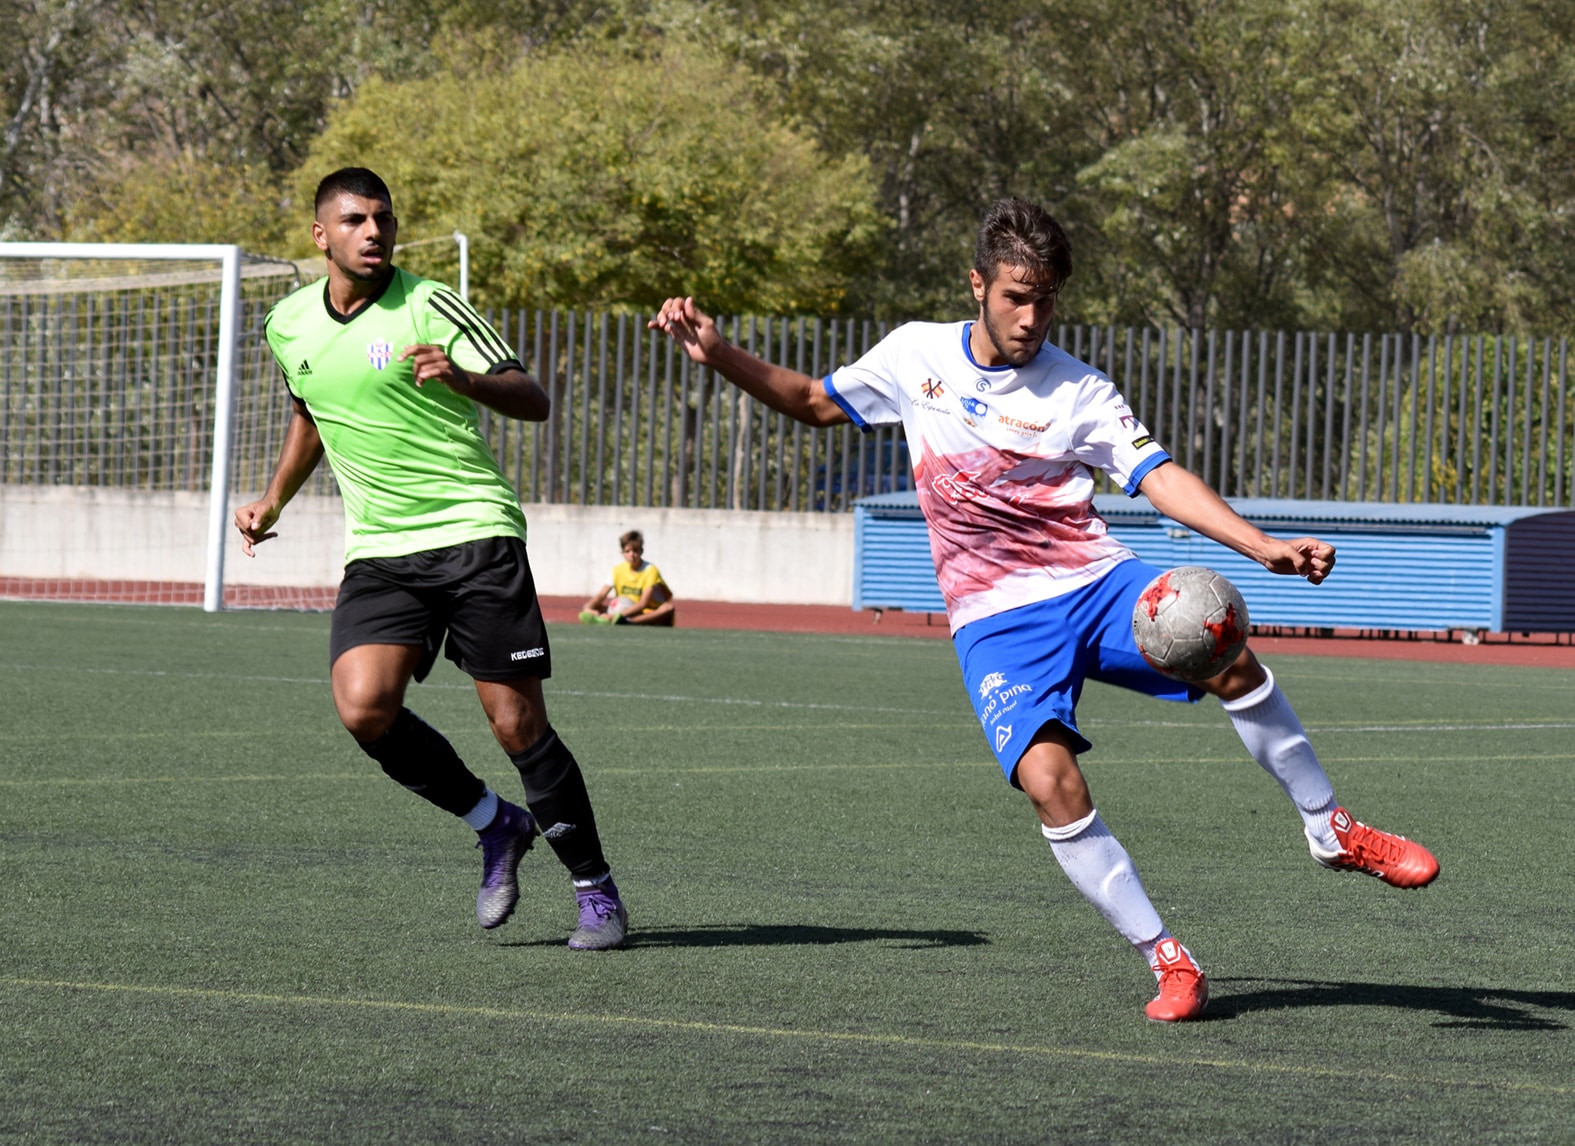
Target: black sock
(418, 756)
(555, 793)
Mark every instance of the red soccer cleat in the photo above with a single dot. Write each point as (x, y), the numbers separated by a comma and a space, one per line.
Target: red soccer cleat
(1183, 991)
(1394, 859)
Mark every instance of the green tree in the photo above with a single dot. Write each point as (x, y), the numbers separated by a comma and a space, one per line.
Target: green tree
(104, 97)
(51, 63)
(1441, 133)
(954, 103)
(187, 199)
(594, 177)
(1327, 164)
(1192, 208)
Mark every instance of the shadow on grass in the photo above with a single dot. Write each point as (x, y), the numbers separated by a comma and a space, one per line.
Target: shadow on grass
(1485, 1008)
(786, 935)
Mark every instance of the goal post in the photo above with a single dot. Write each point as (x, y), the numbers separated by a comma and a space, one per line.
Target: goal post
(117, 351)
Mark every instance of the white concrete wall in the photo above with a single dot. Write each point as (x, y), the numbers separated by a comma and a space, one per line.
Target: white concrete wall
(716, 555)
(705, 554)
(98, 534)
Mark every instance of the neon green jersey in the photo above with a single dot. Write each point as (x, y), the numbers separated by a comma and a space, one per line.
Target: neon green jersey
(415, 472)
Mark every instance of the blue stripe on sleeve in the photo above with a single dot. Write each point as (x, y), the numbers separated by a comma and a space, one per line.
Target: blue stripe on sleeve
(831, 392)
(1145, 468)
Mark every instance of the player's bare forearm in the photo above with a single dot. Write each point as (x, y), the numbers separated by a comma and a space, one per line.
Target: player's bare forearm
(1181, 495)
(510, 391)
(797, 395)
(787, 391)
(298, 457)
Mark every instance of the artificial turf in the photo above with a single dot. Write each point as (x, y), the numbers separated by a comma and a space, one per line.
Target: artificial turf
(220, 922)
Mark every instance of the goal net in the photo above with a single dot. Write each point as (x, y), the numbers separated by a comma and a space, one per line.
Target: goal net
(138, 406)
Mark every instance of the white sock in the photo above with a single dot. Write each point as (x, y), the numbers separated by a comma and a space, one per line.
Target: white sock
(486, 809)
(1274, 736)
(1100, 868)
(1147, 950)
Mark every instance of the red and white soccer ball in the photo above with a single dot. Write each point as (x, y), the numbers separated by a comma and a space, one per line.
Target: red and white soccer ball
(1190, 623)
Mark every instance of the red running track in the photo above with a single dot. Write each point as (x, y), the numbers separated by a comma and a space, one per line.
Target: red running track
(1538, 650)
(1541, 650)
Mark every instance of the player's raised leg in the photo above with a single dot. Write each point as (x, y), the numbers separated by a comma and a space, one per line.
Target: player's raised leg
(1099, 867)
(556, 794)
(369, 684)
(1272, 733)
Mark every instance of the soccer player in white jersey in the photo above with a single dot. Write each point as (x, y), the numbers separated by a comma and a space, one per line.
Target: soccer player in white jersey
(1005, 430)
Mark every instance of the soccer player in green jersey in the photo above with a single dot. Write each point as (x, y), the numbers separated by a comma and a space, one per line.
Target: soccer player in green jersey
(385, 370)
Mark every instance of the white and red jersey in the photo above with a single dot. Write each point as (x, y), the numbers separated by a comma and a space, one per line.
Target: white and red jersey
(1003, 460)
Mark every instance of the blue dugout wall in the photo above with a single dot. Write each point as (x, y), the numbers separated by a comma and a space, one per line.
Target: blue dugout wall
(1398, 567)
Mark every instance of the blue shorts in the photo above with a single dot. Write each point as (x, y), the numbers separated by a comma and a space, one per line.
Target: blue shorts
(1025, 667)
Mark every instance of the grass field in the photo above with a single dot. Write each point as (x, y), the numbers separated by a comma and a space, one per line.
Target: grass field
(220, 922)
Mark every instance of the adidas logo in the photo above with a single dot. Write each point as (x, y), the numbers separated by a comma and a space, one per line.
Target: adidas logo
(304, 369)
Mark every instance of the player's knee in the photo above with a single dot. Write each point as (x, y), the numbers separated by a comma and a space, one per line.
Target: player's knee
(366, 715)
(1049, 776)
(516, 728)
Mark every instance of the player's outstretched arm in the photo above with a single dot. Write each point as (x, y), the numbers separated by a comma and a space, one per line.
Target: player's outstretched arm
(1180, 494)
(512, 393)
(797, 395)
(298, 457)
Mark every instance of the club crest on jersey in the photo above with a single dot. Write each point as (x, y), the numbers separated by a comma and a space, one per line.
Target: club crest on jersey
(991, 681)
(379, 353)
(973, 408)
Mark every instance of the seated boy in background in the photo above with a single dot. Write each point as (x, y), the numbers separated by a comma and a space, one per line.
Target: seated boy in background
(636, 593)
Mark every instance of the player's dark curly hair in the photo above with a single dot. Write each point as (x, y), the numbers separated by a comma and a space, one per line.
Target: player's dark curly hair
(1017, 233)
(352, 181)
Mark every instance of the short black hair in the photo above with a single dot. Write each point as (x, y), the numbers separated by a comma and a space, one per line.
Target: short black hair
(353, 181)
(633, 537)
(1017, 233)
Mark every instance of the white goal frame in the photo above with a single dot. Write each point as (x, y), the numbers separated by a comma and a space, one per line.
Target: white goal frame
(229, 259)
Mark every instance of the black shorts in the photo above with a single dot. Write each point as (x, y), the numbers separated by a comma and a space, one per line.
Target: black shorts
(480, 593)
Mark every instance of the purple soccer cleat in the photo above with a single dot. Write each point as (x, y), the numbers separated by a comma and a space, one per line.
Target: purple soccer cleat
(503, 844)
(603, 919)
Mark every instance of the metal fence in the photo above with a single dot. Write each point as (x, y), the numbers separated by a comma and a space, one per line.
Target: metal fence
(114, 389)
(1392, 418)
(1467, 420)
(635, 422)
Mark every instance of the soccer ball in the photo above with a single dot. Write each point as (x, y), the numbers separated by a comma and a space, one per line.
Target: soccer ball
(1190, 623)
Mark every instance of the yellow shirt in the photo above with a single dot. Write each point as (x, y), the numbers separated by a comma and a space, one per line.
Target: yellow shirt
(630, 586)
